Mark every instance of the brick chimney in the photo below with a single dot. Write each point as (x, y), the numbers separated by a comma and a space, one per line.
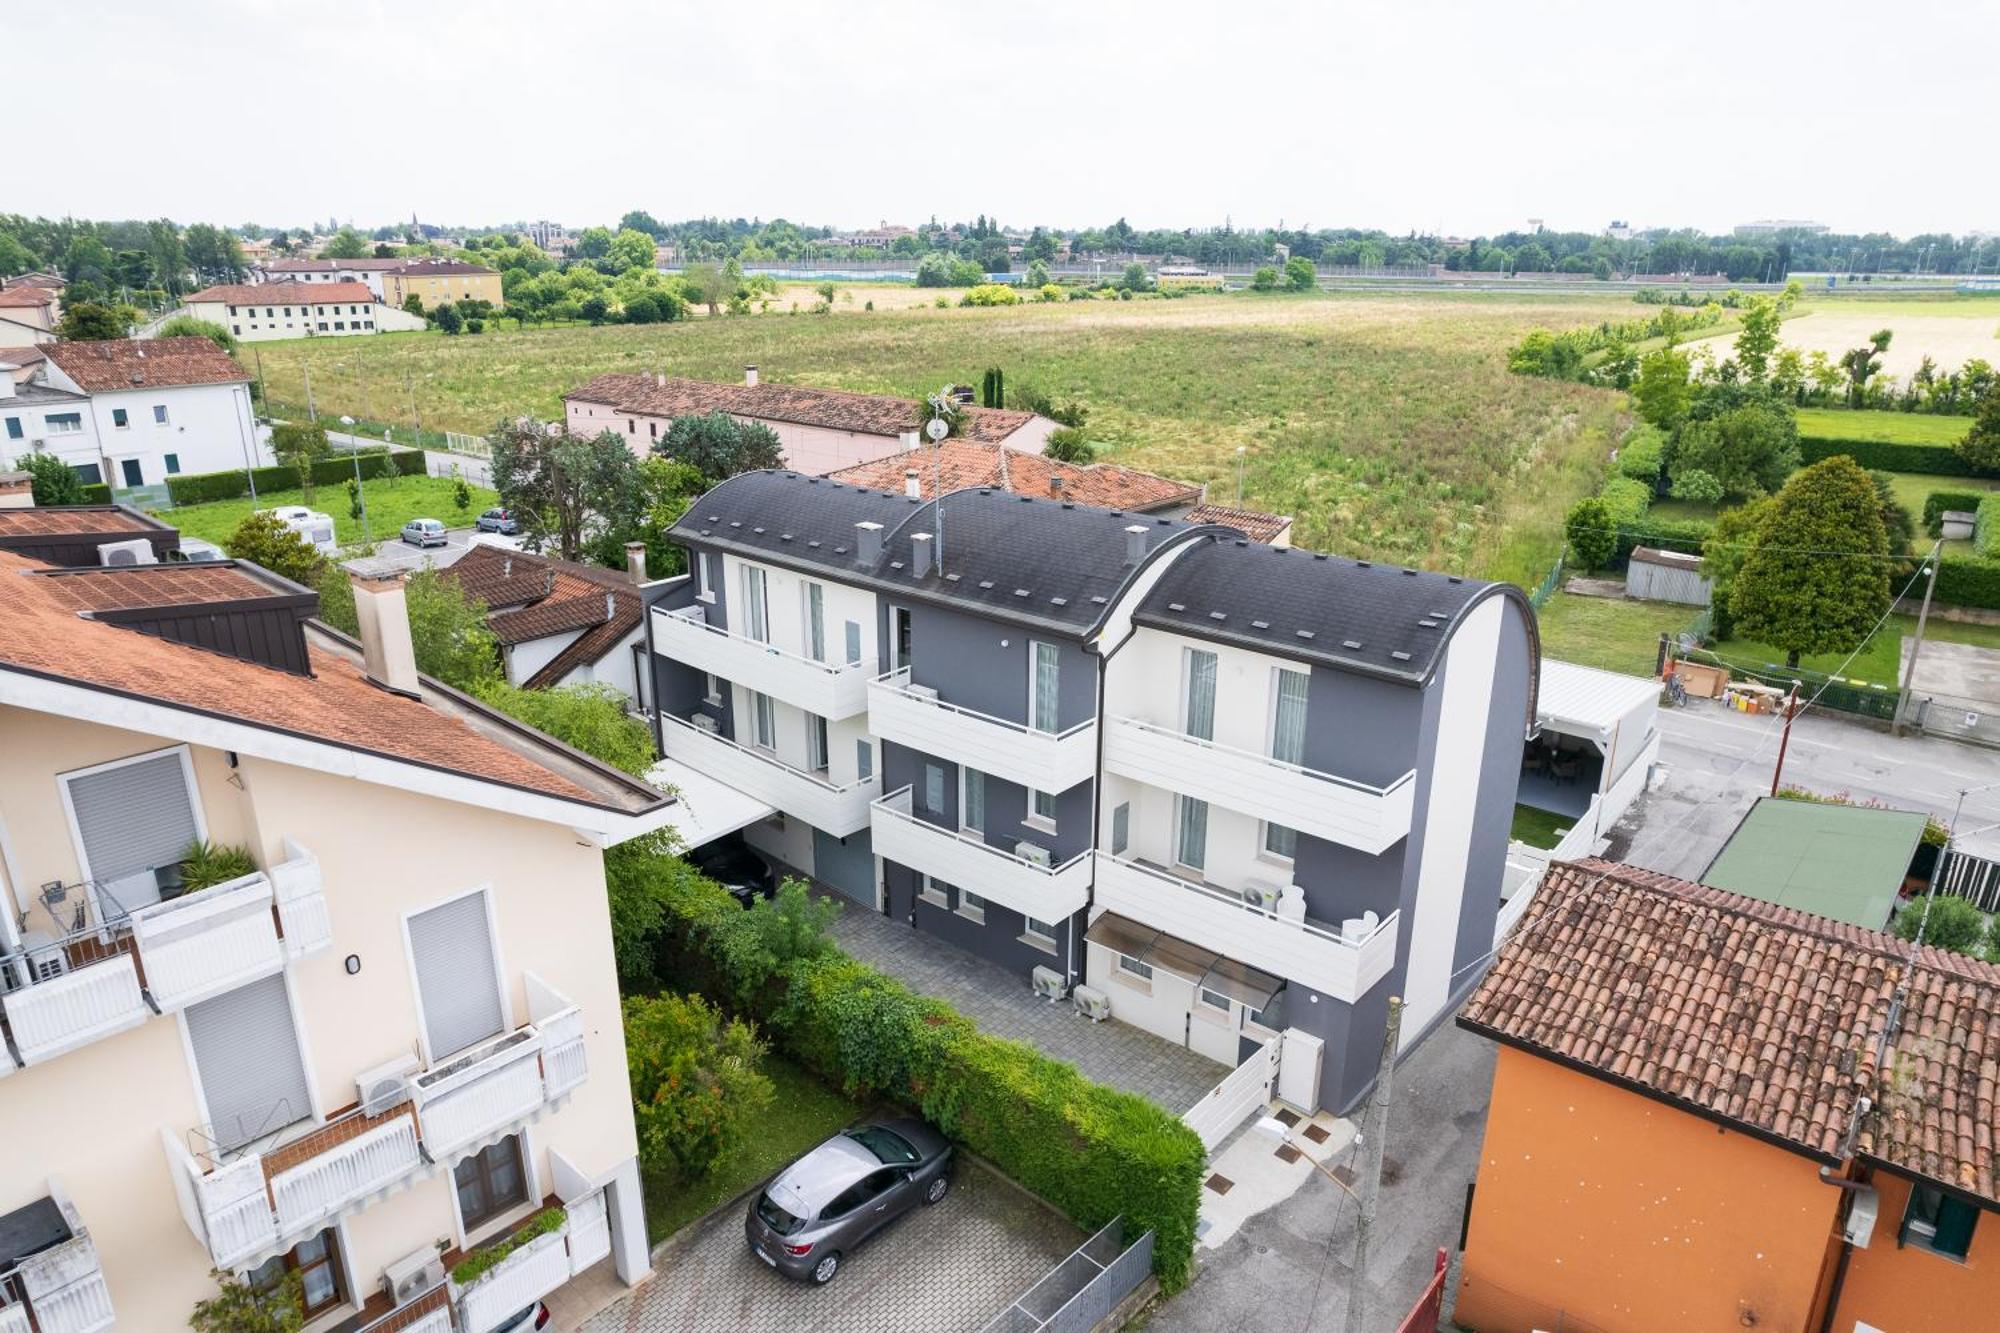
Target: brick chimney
(17, 489)
(1056, 484)
(635, 561)
(749, 377)
(387, 651)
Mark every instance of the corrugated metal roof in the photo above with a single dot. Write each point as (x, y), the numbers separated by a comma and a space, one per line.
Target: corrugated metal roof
(1590, 699)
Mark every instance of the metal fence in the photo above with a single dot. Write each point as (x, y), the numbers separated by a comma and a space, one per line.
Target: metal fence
(1973, 878)
(1078, 1293)
(1842, 696)
(1539, 598)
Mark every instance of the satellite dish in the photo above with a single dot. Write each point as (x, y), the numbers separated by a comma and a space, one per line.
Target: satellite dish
(937, 429)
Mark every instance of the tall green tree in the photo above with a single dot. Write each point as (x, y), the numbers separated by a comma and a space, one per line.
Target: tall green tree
(1300, 275)
(630, 249)
(299, 445)
(1662, 391)
(1758, 337)
(214, 254)
(1747, 450)
(91, 321)
(718, 446)
(1816, 578)
(563, 485)
(346, 243)
(54, 481)
(707, 285)
(1981, 446)
(1861, 363)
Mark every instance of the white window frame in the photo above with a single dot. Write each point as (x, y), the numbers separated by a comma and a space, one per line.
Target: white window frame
(704, 590)
(864, 759)
(814, 628)
(965, 776)
(1134, 969)
(929, 891)
(819, 744)
(896, 659)
(512, 1217)
(712, 683)
(315, 1115)
(1271, 713)
(1035, 647)
(1205, 999)
(972, 906)
(1267, 852)
(162, 417)
(756, 603)
(507, 1023)
(1186, 690)
(763, 722)
(1035, 819)
(69, 806)
(1032, 933)
(1180, 813)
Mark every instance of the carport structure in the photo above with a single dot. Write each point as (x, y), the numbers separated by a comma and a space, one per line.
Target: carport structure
(1595, 736)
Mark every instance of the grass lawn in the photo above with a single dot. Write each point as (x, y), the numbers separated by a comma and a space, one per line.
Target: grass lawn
(1913, 488)
(392, 502)
(1684, 509)
(1609, 632)
(806, 1112)
(1880, 660)
(1834, 423)
(1387, 425)
(1540, 828)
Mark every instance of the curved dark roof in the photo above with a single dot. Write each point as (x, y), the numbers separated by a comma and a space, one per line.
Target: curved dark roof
(1355, 614)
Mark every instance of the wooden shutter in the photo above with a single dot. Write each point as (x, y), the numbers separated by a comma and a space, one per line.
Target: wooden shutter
(456, 976)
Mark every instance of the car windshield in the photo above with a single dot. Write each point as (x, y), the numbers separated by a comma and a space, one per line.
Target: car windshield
(777, 1218)
(887, 1145)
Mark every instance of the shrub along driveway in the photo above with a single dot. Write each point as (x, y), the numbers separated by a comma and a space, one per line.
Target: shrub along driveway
(951, 1267)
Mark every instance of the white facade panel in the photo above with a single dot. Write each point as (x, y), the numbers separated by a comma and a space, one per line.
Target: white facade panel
(838, 809)
(832, 690)
(1048, 893)
(1045, 761)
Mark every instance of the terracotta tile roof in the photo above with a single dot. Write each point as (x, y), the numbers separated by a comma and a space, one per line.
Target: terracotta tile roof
(1759, 1016)
(834, 409)
(153, 585)
(29, 297)
(964, 463)
(533, 596)
(53, 282)
(41, 634)
(130, 363)
(283, 293)
(109, 521)
(1255, 524)
(22, 356)
(330, 265)
(430, 268)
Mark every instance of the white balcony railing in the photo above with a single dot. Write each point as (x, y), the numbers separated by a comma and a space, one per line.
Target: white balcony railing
(516, 1282)
(1301, 951)
(1046, 892)
(839, 810)
(1354, 814)
(1044, 760)
(834, 690)
(77, 1005)
(263, 1202)
(204, 943)
(62, 1287)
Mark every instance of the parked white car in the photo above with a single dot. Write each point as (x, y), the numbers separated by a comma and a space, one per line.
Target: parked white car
(316, 528)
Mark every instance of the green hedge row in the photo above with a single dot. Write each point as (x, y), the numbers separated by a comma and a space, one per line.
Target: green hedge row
(1092, 1151)
(1964, 581)
(202, 487)
(1674, 534)
(96, 493)
(1986, 528)
(1937, 458)
(1937, 502)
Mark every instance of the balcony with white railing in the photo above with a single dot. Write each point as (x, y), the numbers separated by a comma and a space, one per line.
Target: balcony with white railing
(836, 809)
(1339, 964)
(834, 690)
(1024, 881)
(916, 717)
(59, 1288)
(1323, 805)
(119, 965)
(529, 1272)
(259, 1201)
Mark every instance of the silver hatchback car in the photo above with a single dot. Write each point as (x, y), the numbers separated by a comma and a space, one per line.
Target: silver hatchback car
(425, 532)
(812, 1214)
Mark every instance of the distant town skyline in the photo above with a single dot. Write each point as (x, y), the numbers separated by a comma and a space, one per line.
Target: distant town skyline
(1426, 117)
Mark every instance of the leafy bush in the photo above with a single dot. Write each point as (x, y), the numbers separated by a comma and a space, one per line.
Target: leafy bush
(1625, 500)
(207, 864)
(481, 1262)
(1938, 503)
(1675, 534)
(1093, 1151)
(591, 718)
(697, 1092)
(263, 539)
(54, 482)
(187, 326)
(1066, 444)
(1964, 581)
(1694, 484)
(1589, 529)
(1980, 449)
(1954, 924)
(1049, 291)
(201, 487)
(238, 1307)
(1265, 279)
(990, 293)
(1639, 457)
(1986, 528)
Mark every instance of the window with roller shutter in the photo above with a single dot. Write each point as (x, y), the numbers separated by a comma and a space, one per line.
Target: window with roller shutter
(246, 1054)
(458, 982)
(132, 817)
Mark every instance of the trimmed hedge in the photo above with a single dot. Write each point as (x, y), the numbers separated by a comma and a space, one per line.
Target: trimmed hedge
(1941, 459)
(96, 493)
(201, 487)
(1963, 581)
(1626, 500)
(1986, 528)
(1092, 1151)
(1678, 534)
(1937, 502)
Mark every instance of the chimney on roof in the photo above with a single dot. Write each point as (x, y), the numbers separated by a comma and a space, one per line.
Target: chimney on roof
(868, 542)
(911, 486)
(17, 489)
(920, 554)
(610, 604)
(749, 377)
(635, 561)
(1055, 484)
(907, 441)
(1135, 543)
(387, 650)
(660, 381)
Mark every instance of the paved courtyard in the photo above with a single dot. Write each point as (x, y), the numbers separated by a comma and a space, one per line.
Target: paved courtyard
(1001, 1004)
(952, 1267)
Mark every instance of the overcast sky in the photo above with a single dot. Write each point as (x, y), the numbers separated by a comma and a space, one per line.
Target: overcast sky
(1462, 118)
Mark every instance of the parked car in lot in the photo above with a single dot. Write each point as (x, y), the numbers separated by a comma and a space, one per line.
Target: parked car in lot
(425, 532)
(530, 1320)
(499, 520)
(730, 863)
(809, 1217)
(195, 551)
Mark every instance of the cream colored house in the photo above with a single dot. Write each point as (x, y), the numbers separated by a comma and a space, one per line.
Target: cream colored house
(395, 1041)
(441, 282)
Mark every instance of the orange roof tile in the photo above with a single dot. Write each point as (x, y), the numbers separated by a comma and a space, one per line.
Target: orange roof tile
(1255, 524)
(834, 409)
(533, 596)
(129, 363)
(964, 463)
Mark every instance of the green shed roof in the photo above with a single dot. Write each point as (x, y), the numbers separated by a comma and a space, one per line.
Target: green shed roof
(1846, 862)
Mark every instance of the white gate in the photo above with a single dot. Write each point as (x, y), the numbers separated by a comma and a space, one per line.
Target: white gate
(589, 1231)
(1245, 1091)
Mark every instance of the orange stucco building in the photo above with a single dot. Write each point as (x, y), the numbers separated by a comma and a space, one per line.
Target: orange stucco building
(1688, 1131)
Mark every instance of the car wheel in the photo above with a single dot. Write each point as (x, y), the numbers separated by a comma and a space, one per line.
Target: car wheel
(824, 1270)
(937, 1189)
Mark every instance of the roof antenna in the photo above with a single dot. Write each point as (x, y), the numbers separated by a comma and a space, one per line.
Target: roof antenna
(943, 408)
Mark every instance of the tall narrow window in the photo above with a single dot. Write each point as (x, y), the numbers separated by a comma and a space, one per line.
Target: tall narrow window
(1198, 714)
(246, 1056)
(1191, 837)
(934, 789)
(701, 573)
(458, 982)
(1045, 690)
(1121, 827)
(1043, 805)
(864, 760)
(972, 809)
(816, 755)
(816, 622)
(766, 720)
(756, 618)
(853, 642)
(1288, 720)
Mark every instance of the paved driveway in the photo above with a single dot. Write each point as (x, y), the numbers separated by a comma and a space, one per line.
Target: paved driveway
(952, 1267)
(1002, 1005)
(395, 556)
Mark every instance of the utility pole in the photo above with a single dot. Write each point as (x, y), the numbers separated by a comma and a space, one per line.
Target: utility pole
(1371, 1171)
(1923, 617)
(307, 370)
(1791, 711)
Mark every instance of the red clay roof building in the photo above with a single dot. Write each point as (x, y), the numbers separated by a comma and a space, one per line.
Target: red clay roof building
(962, 463)
(283, 293)
(130, 363)
(530, 597)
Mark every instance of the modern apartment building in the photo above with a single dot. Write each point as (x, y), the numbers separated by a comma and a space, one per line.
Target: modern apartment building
(1231, 789)
(393, 1041)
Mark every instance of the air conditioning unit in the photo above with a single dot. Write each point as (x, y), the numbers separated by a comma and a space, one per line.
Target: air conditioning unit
(1358, 928)
(1034, 854)
(385, 1086)
(1091, 1003)
(1859, 1228)
(412, 1275)
(1262, 896)
(921, 692)
(703, 722)
(1048, 983)
(138, 551)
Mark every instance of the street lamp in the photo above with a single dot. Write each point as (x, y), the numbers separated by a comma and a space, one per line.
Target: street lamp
(360, 495)
(1240, 451)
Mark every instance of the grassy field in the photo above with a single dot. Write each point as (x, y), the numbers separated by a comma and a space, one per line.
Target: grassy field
(806, 1113)
(1609, 632)
(1913, 488)
(1388, 425)
(392, 502)
(1539, 828)
(1880, 660)
(1834, 423)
